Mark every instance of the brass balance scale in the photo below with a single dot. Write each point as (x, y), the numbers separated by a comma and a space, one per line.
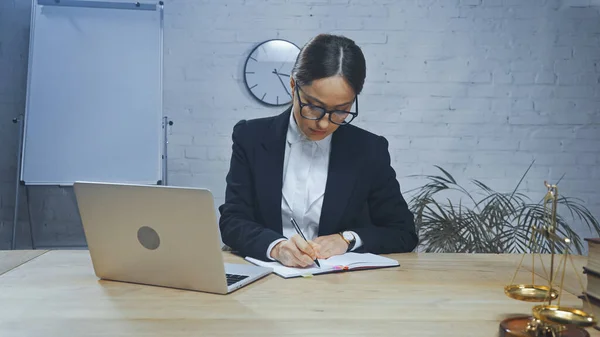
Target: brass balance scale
(547, 320)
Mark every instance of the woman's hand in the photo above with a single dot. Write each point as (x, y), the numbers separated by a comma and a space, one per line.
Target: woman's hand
(331, 245)
(296, 252)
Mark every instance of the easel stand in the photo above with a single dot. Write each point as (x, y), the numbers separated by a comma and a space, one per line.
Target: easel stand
(13, 242)
(166, 122)
(19, 120)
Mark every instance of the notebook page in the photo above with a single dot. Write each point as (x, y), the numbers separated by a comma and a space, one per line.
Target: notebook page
(286, 272)
(354, 260)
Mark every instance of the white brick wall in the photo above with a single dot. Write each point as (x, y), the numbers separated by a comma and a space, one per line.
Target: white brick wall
(480, 87)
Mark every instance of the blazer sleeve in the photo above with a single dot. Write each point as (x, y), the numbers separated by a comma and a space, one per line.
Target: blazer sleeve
(393, 229)
(239, 228)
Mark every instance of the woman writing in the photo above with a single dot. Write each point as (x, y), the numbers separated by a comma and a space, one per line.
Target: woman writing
(311, 165)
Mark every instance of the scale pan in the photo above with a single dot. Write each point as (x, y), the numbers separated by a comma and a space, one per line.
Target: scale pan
(530, 292)
(563, 315)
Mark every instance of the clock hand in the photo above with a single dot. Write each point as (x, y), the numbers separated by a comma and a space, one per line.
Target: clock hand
(281, 74)
(286, 89)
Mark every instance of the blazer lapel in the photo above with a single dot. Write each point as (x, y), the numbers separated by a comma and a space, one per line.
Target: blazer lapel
(341, 179)
(269, 173)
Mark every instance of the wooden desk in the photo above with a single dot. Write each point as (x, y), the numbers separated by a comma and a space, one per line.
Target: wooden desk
(10, 259)
(57, 294)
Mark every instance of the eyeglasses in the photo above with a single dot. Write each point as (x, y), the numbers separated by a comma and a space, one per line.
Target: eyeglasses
(314, 112)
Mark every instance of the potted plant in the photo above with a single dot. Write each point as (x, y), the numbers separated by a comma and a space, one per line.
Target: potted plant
(488, 221)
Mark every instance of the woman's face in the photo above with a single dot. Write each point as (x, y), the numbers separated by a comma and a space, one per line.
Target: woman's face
(330, 93)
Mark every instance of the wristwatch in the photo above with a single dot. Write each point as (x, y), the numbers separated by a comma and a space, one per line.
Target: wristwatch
(349, 238)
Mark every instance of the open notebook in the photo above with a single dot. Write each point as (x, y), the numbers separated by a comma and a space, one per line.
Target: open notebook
(348, 261)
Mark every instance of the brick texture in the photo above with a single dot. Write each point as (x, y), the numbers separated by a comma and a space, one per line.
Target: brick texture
(479, 87)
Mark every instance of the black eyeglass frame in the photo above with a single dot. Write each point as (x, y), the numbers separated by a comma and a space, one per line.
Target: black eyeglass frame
(325, 111)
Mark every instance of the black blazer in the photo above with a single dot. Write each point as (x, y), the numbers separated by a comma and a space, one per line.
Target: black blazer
(361, 194)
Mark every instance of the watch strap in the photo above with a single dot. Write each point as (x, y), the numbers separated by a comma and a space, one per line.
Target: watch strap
(350, 243)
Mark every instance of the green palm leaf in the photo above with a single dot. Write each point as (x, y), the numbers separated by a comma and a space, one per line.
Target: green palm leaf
(494, 223)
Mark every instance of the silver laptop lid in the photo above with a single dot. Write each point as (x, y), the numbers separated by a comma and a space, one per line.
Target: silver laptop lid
(155, 235)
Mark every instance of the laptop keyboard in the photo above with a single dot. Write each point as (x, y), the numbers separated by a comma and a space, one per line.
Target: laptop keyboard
(233, 278)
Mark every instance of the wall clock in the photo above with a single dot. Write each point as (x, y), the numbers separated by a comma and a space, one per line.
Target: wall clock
(267, 71)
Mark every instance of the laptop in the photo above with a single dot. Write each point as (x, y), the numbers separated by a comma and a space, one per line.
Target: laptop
(158, 235)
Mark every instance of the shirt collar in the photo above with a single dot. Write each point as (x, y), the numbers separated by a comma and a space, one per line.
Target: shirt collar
(295, 135)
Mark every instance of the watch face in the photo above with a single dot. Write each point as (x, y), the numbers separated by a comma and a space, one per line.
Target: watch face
(348, 236)
(267, 71)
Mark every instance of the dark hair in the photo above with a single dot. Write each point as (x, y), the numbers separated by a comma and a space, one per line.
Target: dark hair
(329, 55)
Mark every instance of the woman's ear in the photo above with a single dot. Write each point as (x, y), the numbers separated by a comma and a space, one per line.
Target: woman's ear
(292, 86)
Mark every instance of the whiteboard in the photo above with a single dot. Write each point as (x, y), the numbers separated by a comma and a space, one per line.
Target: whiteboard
(94, 93)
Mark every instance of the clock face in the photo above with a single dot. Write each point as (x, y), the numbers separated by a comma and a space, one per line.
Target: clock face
(268, 69)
